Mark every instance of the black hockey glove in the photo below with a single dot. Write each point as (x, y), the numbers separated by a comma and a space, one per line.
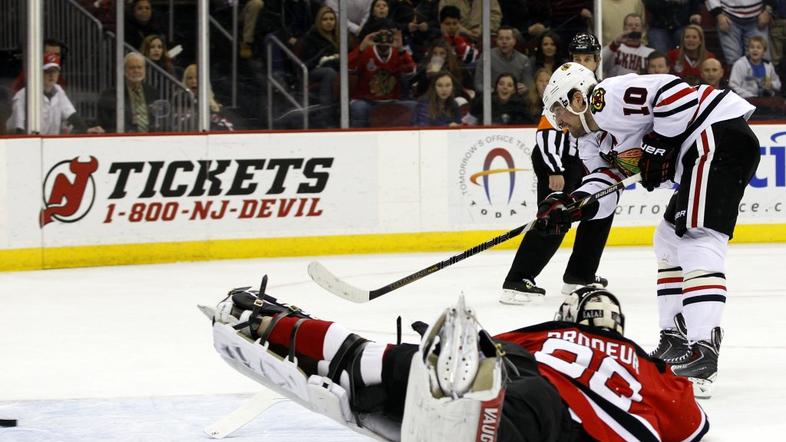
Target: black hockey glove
(554, 217)
(657, 162)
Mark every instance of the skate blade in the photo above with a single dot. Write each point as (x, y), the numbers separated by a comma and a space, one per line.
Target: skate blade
(513, 297)
(702, 388)
(207, 311)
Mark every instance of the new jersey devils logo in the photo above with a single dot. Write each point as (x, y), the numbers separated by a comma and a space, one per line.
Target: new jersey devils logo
(69, 191)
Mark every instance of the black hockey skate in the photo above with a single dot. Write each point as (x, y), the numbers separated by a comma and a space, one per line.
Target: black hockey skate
(573, 283)
(673, 342)
(700, 364)
(520, 292)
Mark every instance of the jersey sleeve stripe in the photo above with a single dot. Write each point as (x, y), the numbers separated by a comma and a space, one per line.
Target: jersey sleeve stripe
(665, 88)
(677, 110)
(674, 97)
(550, 150)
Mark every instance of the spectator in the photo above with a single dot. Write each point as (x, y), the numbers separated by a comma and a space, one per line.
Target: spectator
(51, 46)
(666, 21)
(440, 57)
(712, 73)
(56, 109)
(154, 48)
(424, 27)
(470, 11)
(548, 53)
(507, 105)
(286, 20)
(357, 12)
(450, 24)
(658, 63)
(379, 61)
(777, 30)
(380, 10)
(249, 17)
(505, 58)
(737, 22)
(321, 55)
(538, 15)
(141, 22)
(686, 59)
(139, 100)
(614, 12)
(186, 104)
(752, 75)
(438, 106)
(535, 95)
(103, 10)
(625, 54)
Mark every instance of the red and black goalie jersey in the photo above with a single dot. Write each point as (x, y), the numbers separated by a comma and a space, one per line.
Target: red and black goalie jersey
(612, 388)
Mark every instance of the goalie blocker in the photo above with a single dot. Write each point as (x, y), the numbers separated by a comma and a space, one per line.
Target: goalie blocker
(570, 379)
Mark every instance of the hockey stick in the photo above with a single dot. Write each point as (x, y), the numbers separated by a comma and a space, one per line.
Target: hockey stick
(328, 281)
(242, 415)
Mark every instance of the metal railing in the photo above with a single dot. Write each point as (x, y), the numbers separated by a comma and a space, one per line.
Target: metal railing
(273, 82)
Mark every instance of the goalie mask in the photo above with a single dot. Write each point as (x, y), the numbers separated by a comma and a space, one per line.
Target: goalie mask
(566, 79)
(594, 307)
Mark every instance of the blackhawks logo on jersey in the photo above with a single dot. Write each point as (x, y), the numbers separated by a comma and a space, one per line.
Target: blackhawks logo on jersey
(598, 100)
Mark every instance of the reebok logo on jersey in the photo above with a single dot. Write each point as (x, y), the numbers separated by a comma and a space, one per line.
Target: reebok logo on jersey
(598, 100)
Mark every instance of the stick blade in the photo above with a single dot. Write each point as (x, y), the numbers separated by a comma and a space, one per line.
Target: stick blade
(328, 281)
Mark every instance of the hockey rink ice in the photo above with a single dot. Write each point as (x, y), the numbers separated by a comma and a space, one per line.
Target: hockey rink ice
(123, 354)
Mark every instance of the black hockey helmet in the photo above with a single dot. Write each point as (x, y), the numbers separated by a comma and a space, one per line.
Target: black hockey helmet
(584, 43)
(592, 306)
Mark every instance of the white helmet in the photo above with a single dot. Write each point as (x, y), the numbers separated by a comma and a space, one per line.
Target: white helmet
(566, 78)
(592, 306)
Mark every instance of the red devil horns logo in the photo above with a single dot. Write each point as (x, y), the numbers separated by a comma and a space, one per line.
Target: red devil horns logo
(66, 197)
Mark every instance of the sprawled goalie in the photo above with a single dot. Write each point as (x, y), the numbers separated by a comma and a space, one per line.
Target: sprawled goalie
(575, 378)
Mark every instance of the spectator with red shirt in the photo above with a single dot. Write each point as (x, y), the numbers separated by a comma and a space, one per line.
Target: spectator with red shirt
(450, 24)
(380, 61)
(686, 59)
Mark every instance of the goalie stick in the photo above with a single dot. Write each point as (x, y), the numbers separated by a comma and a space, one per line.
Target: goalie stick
(328, 281)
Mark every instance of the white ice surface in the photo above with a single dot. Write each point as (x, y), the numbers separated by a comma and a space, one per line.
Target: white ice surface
(122, 353)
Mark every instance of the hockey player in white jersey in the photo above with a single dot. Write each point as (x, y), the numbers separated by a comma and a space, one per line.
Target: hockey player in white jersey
(695, 137)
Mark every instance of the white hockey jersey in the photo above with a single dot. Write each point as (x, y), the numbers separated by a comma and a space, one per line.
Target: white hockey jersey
(623, 59)
(630, 106)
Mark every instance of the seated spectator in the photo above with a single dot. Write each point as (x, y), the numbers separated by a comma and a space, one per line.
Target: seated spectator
(424, 27)
(548, 53)
(625, 54)
(380, 10)
(249, 17)
(141, 22)
(186, 104)
(440, 57)
(666, 21)
(379, 61)
(507, 106)
(777, 31)
(51, 46)
(56, 110)
(139, 100)
(450, 25)
(471, 14)
(752, 75)
(658, 63)
(357, 12)
(712, 73)
(154, 48)
(535, 95)
(737, 22)
(321, 55)
(686, 59)
(505, 58)
(438, 106)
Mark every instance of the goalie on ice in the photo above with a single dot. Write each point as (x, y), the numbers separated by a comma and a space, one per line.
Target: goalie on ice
(574, 378)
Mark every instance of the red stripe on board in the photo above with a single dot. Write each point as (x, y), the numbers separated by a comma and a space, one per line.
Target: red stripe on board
(703, 287)
(675, 97)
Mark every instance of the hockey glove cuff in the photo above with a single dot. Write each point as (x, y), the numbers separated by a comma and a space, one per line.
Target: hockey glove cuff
(657, 162)
(554, 216)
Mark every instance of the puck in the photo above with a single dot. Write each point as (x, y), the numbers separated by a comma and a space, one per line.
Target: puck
(7, 422)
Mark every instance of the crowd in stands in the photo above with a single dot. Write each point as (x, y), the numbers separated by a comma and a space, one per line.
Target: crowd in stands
(422, 57)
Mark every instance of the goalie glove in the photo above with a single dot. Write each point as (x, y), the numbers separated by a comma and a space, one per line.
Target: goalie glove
(657, 161)
(554, 217)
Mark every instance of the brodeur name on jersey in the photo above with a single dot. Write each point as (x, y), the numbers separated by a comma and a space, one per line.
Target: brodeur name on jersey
(610, 384)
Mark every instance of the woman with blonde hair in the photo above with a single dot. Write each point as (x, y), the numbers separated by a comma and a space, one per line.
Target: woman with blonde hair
(535, 94)
(185, 104)
(154, 48)
(686, 59)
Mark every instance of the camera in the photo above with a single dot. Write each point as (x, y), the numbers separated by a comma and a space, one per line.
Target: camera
(384, 37)
(634, 35)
